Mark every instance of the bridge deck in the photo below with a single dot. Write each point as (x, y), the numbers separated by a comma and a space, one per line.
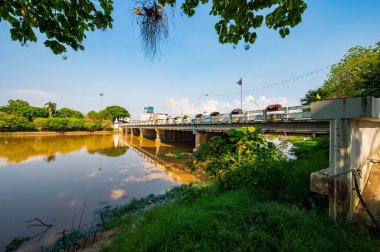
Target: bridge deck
(268, 127)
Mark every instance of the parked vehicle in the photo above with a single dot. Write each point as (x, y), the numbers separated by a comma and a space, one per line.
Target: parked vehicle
(273, 112)
(215, 118)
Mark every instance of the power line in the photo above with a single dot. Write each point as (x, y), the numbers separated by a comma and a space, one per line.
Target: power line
(277, 83)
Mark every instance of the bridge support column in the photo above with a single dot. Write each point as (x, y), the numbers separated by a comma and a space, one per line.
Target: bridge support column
(200, 138)
(158, 138)
(148, 133)
(354, 138)
(135, 131)
(203, 137)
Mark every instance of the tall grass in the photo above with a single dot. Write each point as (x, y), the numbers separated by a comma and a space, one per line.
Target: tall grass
(237, 221)
(267, 215)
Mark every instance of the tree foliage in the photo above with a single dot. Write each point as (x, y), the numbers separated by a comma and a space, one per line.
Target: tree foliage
(234, 159)
(18, 115)
(15, 122)
(68, 113)
(64, 23)
(357, 74)
(51, 107)
(92, 115)
(239, 19)
(112, 112)
(22, 108)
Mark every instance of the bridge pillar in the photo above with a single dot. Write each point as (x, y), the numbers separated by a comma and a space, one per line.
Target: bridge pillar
(135, 131)
(158, 138)
(203, 137)
(354, 138)
(148, 133)
(200, 138)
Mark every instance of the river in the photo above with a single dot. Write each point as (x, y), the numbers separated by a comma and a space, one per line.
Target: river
(56, 178)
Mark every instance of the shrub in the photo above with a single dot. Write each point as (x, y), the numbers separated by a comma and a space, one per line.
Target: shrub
(20, 123)
(92, 126)
(107, 125)
(236, 158)
(75, 124)
(57, 123)
(40, 123)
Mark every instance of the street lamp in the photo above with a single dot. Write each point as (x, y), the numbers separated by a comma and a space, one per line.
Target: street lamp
(195, 103)
(101, 95)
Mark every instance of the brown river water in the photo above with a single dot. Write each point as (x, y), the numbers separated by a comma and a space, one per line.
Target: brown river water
(55, 178)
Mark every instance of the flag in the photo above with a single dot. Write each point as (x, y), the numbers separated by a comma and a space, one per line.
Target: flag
(240, 82)
(318, 97)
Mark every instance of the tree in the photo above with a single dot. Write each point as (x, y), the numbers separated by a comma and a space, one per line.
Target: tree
(66, 22)
(68, 113)
(51, 108)
(112, 112)
(313, 96)
(63, 22)
(22, 108)
(357, 74)
(92, 115)
(17, 103)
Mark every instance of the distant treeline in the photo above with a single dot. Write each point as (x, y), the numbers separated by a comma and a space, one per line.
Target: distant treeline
(18, 115)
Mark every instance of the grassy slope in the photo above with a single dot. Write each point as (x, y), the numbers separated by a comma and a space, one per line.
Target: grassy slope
(266, 217)
(236, 221)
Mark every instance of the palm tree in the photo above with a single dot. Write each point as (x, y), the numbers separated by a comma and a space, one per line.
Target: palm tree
(51, 107)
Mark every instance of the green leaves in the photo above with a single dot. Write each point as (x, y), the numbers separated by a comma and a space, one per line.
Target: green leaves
(239, 19)
(63, 22)
(233, 159)
(357, 74)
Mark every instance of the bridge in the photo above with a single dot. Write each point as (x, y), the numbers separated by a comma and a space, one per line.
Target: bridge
(282, 121)
(200, 133)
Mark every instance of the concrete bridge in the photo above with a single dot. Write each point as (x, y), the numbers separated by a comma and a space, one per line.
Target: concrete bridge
(200, 133)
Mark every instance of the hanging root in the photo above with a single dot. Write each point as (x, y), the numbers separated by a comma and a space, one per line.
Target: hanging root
(154, 28)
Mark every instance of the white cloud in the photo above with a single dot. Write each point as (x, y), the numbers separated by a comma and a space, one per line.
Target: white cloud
(33, 96)
(185, 107)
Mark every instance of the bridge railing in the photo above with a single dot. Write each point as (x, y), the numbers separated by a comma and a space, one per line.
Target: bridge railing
(282, 114)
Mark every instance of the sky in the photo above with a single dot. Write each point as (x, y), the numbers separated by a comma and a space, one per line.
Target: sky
(194, 70)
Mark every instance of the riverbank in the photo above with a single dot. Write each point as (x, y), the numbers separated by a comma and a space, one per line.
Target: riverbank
(282, 215)
(55, 133)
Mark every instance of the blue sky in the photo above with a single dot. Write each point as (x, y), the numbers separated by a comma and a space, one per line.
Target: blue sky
(192, 62)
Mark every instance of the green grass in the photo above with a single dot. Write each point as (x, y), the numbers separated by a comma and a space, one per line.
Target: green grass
(236, 221)
(268, 215)
(177, 155)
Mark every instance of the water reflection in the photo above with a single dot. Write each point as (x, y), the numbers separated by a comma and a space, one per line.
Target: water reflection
(49, 177)
(19, 149)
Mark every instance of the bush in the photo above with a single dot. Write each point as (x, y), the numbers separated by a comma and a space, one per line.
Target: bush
(236, 159)
(92, 126)
(40, 123)
(75, 124)
(57, 124)
(107, 125)
(12, 122)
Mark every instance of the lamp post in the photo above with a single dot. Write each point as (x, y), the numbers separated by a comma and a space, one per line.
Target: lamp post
(101, 96)
(195, 103)
(257, 105)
